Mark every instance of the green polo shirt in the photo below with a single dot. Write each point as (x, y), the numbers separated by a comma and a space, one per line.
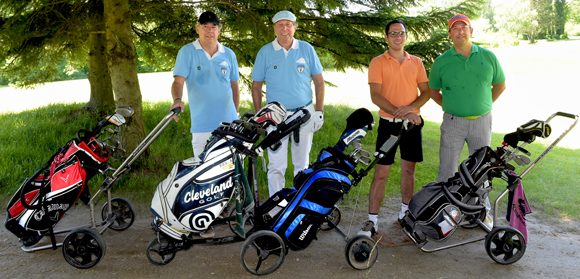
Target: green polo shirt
(466, 83)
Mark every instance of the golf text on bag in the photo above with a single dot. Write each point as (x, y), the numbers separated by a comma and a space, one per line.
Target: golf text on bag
(207, 195)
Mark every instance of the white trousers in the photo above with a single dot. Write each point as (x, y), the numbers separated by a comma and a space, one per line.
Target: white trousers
(198, 141)
(278, 160)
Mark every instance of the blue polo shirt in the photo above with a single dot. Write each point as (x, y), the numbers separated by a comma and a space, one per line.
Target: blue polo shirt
(288, 74)
(208, 85)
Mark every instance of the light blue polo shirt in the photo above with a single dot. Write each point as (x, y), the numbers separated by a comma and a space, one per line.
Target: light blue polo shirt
(288, 75)
(208, 85)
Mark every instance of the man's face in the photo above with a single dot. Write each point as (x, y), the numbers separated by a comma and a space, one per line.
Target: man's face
(284, 30)
(460, 33)
(395, 38)
(208, 33)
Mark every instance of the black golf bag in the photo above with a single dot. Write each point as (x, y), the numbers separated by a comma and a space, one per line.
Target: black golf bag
(295, 214)
(436, 210)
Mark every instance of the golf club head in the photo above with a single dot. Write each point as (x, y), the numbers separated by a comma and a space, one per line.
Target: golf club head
(357, 144)
(364, 160)
(111, 131)
(125, 111)
(117, 119)
(113, 141)
(364, 153)
(522, 160)
(120, 151)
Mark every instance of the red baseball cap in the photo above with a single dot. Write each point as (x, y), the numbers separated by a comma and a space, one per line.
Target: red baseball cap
(459, 17)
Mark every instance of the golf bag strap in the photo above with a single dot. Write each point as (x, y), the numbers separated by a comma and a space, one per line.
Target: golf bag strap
(458, 203)
(296, 135)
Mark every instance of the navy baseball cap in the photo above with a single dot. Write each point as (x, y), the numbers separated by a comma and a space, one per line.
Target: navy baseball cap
(208, 17)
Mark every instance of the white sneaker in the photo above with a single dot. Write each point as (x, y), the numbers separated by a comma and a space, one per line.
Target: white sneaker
(401, 216)
(369, 229)
(488, 221)
(209, 233)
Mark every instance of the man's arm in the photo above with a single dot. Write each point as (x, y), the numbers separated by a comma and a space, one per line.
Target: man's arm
(318, 81)
(236, 95)
(436, 96)
(257, 94)
(177, 94)
(496, 90)
(424, 96)
(387, 107)
(379, 100)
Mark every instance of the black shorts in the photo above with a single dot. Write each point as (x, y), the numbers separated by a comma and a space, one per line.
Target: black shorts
(410, 144)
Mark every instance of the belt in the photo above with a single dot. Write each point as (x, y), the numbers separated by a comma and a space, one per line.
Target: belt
(475, 117)
(394, 120)
(297, 109)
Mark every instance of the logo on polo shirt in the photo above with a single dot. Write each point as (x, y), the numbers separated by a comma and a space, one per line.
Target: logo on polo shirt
(275, 66)
(224, 71)
(198, 67)
(300, 68)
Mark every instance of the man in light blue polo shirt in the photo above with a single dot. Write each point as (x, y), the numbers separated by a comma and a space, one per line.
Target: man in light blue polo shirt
(210, 71)
(288, 66)
(211, 74)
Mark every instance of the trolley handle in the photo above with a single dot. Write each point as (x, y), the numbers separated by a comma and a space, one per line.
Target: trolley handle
(569, 115)
(176, 111)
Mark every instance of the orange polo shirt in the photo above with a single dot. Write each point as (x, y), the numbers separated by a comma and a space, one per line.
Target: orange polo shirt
(398, 81)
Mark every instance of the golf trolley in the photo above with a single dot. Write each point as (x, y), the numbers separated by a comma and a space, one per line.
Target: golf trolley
(438, 209)
(43, 199)
(196, 192)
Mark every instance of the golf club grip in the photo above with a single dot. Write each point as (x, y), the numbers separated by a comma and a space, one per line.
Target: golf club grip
(569, 115)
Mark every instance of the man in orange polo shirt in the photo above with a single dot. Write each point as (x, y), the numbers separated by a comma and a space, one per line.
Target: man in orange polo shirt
(394, 78)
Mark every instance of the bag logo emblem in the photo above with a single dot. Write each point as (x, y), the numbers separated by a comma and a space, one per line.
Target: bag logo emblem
(65, 179)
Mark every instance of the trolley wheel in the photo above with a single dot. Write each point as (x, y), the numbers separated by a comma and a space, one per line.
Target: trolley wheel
(361, 252)
(263, 252)
(505, 245)
(160, 251)
(123, 212)
(83, 248)
(232, 224)
(334, 217)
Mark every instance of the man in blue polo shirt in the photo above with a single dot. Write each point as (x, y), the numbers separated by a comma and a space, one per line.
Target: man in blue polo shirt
(210, 71)
(288, 66)
(464, 81)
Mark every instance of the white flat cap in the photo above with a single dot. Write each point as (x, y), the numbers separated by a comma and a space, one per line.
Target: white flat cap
(284, 15)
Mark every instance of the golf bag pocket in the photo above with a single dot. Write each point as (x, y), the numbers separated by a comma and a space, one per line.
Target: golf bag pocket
(441, 226)
(302, 230)
(269, 211)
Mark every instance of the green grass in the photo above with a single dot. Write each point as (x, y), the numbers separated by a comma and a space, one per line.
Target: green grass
(29, 138)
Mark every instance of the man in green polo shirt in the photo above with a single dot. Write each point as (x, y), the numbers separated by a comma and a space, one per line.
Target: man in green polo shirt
(464, 81)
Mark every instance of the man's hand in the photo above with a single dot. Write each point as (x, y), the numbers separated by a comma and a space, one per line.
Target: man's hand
(177, 103)
(413, 118)
(318, 120)
(402, 111)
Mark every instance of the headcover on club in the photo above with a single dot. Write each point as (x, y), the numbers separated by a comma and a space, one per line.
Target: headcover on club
(271, 114)
(357, 124)
(528, 132)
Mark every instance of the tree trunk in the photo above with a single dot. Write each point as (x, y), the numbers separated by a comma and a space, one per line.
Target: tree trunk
(122, 62)
(102, 100)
